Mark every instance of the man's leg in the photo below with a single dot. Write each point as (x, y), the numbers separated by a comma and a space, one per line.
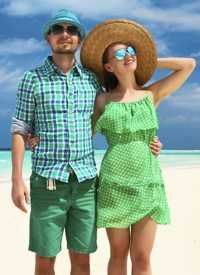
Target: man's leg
(44, 265)
(80, 263)
(47, 222)
(81, 225)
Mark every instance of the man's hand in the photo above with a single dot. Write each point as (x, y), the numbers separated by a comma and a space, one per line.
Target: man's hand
(20, 194)
(156, 146)
(32, 141)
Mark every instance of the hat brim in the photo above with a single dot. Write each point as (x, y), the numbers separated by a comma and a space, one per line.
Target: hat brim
(123, 31)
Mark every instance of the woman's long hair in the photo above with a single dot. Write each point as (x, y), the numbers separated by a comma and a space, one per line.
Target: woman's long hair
(110, 80)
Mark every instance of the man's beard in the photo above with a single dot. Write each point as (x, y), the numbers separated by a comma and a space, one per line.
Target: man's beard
(64, 51)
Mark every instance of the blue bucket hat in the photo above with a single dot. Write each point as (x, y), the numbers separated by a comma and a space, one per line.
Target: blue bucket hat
(65, 16)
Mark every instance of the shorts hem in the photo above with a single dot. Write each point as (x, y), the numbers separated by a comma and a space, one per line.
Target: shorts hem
(39, 253)
(84, 251)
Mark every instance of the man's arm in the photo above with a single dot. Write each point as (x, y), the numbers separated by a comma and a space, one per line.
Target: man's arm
(20, 195)
(25, 109)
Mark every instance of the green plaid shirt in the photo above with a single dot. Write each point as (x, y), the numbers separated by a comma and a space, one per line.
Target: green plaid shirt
(58, 107)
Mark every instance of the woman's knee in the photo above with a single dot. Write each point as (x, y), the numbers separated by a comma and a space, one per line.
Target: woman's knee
(141, 259)
(119, 251)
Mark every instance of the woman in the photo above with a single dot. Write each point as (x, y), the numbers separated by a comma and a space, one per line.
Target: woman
(131, 194)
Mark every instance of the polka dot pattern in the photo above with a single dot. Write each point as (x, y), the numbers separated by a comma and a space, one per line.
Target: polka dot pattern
(131, 185)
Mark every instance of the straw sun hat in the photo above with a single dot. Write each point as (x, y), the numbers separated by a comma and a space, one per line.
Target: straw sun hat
(123, 31)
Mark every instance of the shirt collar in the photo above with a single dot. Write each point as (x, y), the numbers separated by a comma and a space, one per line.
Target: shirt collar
(51, 68)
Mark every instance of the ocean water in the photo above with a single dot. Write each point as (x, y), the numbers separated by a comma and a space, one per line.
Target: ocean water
(168, 158)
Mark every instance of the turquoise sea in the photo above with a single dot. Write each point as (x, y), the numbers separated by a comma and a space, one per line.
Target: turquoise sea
(168, 158)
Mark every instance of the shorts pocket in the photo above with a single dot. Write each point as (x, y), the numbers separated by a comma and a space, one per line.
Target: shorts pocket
(87, 186)
(37, 182)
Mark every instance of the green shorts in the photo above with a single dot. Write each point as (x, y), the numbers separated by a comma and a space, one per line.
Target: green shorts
(70, 208)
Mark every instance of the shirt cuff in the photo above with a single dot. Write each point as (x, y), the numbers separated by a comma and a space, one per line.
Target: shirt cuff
(19, 126)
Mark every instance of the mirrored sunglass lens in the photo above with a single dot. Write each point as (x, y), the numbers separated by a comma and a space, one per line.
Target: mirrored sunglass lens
(121, 51)
(120, 54)
(131, 50)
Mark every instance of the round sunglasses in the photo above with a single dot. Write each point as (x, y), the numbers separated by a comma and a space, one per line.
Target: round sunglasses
(121, 53)
(57, 29)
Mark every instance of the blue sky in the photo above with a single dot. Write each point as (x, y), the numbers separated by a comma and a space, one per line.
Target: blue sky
(175, 25)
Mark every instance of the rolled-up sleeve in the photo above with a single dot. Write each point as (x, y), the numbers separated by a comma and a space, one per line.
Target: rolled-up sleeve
(25, 105)
(20, 127)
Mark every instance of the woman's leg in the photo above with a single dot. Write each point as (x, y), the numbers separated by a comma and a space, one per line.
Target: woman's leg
(142, 240)
(119, 240)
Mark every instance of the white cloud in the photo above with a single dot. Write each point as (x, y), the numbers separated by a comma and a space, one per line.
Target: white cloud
(194, 5)
(87, 8)
(188, 98)
(10, 75)
(195, 55)
(19, 46)
(5, 112)
(162, 47)
(182, 18)
(184, 105)
(9, 79)
(180, 119)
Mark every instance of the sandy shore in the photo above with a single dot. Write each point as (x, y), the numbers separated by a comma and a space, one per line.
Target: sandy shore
(177, 246)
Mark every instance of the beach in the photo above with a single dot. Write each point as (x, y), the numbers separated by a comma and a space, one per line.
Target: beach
(177, 246)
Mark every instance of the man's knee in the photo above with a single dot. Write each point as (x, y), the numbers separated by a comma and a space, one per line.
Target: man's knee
(80, 261)
(44, 265)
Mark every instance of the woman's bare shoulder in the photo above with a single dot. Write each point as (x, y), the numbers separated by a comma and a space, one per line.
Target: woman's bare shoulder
(144, 91)
(101, 100)
(147, 92)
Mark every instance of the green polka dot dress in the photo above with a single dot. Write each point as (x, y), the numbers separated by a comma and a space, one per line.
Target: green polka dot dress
(131, 185)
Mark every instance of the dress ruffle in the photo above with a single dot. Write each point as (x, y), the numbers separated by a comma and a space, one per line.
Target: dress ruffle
(128, 117)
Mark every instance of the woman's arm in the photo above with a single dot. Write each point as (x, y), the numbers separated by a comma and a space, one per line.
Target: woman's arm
(99, 105)
(182, 69)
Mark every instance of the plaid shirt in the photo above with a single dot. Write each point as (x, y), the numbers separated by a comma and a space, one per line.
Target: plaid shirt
(58, 107)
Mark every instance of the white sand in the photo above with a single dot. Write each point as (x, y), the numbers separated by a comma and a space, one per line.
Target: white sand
(177, 247)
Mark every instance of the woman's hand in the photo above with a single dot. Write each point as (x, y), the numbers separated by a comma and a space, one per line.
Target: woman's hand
(32, 141)
(156, 146)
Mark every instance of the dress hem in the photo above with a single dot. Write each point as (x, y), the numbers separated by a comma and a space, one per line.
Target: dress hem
(132, 223)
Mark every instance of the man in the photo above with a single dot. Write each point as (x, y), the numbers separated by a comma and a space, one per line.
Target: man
(56, 101)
